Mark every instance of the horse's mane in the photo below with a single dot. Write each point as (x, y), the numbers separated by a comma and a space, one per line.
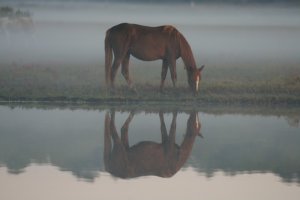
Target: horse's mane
(186, 52)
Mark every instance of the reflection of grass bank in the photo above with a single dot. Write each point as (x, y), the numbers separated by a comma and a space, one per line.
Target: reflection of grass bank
(289, 112)
(32, 83)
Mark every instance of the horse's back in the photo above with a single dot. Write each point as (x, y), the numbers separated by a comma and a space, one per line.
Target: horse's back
(119, 27)
(136, 28)
(144, 42)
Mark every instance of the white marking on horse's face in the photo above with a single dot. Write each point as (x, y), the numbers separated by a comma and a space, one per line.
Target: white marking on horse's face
(197, 83)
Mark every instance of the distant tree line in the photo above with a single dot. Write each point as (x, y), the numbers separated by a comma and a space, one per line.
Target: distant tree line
(6, 11)
(14, 21)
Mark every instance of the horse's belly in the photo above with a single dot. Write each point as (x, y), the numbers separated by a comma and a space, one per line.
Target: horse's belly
(148, 52)
(146, 58)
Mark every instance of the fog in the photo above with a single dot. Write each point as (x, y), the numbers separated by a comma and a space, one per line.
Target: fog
(220, 35)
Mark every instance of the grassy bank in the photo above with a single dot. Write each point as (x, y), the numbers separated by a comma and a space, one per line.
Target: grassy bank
(86, 84)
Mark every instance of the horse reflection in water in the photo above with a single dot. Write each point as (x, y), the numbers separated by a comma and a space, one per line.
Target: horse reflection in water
(147, 158)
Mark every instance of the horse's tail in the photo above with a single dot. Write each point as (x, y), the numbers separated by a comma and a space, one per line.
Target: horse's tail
(108, 58)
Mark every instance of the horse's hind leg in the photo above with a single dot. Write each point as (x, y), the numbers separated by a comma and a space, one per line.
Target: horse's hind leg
(115, 66)
(113, 130)
(125, 69)
(124, 130)
(121, 56)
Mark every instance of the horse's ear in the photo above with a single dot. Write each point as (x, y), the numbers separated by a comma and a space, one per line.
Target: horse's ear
(201, 68)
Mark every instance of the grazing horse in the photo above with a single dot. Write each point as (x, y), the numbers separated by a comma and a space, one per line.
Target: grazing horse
(148, 43)
(147, 158)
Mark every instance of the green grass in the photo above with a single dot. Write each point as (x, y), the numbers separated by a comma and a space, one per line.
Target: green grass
(220, 85)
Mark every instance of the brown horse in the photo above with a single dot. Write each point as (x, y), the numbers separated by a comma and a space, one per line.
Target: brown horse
(147, 158)
(148, 43)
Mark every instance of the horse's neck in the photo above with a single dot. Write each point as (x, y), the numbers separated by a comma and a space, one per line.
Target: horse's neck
(185, 149)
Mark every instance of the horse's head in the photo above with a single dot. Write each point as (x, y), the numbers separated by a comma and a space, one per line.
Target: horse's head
(194, 78)
(194, 125)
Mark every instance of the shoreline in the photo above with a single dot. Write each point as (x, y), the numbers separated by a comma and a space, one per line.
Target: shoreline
(213, 99)
(282, 110)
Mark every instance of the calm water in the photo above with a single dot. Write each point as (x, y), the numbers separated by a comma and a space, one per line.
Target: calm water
(112, 153)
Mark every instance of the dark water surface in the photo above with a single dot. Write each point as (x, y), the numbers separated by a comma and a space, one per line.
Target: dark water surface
(133, 154)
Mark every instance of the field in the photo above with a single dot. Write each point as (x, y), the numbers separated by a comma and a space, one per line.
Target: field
(252, 60)
(219, 85)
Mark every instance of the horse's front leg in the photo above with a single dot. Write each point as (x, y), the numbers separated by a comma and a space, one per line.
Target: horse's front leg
(163, 130)
(173, 71)
(107, 141)
(164, 72)
(172, 133)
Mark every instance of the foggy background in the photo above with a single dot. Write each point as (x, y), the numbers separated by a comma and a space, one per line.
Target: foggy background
(71, 33)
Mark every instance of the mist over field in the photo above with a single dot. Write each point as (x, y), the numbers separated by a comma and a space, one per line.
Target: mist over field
(218, 34)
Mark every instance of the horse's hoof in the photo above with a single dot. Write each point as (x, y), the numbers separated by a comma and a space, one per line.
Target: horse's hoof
(162, 91)
(134, 90)
(112, 91)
